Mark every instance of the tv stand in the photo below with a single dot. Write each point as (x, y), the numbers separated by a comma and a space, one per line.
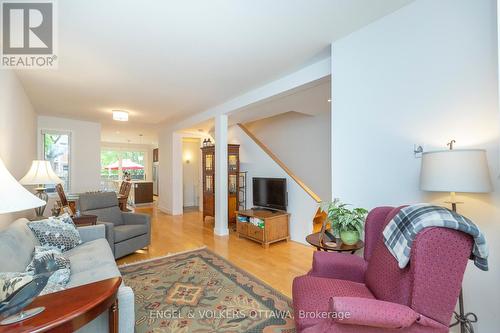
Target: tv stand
(274, 226)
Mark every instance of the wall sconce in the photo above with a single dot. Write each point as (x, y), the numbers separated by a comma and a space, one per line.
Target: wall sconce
(187, 157)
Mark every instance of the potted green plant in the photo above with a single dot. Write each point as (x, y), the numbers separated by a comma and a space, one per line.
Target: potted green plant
(348, 223)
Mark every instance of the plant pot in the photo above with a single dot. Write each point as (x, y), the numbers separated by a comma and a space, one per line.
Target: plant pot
(349, 237)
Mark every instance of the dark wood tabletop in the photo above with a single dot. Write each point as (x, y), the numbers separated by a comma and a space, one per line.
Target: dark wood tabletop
(84, 219)
(70, 309)
(313, 239)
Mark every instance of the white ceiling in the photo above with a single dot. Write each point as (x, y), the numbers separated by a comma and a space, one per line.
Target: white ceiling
(310, 100)
(166, 60)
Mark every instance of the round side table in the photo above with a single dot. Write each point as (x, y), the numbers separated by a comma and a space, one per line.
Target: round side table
(313, 239)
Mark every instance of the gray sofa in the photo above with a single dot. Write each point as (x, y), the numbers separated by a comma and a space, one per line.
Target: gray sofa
(125, 232)
(90, 262)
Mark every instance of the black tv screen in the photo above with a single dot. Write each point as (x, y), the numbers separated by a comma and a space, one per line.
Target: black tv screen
(270, 193)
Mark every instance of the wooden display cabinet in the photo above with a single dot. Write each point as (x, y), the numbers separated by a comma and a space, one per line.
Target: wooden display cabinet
(208, 169)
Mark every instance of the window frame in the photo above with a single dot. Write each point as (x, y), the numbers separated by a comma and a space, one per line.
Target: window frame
(45, 131)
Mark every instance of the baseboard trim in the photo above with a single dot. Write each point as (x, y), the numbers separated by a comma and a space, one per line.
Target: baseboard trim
(165, 210)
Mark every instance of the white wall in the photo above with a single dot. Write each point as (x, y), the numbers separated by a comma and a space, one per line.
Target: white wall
(165, 196)
(258, 164)
(85, 150)
(302, 142)
(191, 171)
(17, 132)
(424, 74)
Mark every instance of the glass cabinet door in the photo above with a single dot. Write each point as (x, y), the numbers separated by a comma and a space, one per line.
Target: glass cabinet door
(208, 183)
(209, 160)
(232, 163)
(232, 184)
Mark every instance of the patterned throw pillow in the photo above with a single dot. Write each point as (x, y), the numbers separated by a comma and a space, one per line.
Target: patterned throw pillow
(11, 281)
(59, 232)
(42, 254)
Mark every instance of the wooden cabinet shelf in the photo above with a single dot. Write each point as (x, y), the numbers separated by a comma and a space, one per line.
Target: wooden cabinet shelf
(274, 226)
(208, 169)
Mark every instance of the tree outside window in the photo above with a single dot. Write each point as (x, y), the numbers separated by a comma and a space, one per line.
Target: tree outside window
(56, 149)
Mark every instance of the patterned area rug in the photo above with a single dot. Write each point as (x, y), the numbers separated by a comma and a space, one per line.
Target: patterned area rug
(199, 291)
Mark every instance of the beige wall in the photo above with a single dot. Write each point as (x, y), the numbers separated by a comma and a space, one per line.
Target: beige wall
(191, 171)
(17, 131)
(302, 142)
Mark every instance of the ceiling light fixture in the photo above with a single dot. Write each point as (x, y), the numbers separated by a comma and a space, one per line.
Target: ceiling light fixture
(120, 115)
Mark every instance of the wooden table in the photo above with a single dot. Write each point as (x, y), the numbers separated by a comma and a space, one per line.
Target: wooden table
(313, 239)
(70, 309)
(83, 220)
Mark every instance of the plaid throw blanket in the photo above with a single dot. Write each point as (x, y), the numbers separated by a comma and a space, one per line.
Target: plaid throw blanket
(404, 227)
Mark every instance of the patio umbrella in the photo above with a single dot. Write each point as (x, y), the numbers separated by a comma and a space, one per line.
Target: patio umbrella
(127, 164)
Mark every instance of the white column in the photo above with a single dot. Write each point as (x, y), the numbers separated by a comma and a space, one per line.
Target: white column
(221, 207)
(177, 185)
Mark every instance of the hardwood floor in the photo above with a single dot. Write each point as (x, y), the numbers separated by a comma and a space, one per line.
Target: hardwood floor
(277, 265)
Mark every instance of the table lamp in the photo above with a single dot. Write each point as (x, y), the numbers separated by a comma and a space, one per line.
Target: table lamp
(40, 174)
(14, 197)
(456, 170)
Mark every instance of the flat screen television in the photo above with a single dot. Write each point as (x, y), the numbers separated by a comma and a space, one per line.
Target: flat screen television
(270, 193)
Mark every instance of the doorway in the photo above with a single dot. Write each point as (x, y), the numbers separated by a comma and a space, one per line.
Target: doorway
(191, 175)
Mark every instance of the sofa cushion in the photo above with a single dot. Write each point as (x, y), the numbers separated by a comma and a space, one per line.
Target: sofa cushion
(10, 282)
(91, 262)
(44, 253)
(109, 214)
(15, 258)
(59, 232)
(311, 297)
(90, 201)
(124, 232)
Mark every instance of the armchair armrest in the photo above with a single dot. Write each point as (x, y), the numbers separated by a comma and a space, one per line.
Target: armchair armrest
(372, 312)
(110, 233)
(340, 266)
(91, 232)
(136, 218)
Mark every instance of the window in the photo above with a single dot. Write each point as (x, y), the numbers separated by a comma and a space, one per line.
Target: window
(116, 163)
(56, 149)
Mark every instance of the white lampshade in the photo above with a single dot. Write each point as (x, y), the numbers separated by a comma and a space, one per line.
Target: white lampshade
(40, 173)
(13, 196)
(457, 170)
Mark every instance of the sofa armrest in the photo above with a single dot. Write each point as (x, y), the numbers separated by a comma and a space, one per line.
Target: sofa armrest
(340, 266)
(110, 234)
(136, 218)
(372, 312)
(91, 232)
(126, 309)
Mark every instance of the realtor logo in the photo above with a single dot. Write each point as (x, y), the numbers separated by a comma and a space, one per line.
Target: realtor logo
(28, 30)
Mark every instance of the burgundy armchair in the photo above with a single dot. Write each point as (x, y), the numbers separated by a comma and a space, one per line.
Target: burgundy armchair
(344, 293)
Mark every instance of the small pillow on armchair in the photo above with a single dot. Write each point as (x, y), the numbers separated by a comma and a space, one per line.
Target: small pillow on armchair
(59, 232)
